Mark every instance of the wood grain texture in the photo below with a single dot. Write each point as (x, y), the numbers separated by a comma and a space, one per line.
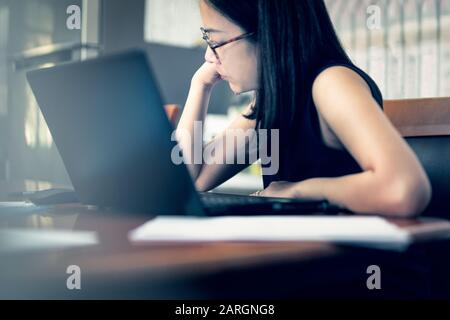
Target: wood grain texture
(420, 117)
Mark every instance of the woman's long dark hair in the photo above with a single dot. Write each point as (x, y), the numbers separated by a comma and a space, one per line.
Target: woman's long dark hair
(294, 37)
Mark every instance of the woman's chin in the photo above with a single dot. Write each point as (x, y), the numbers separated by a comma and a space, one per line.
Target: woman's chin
(233, 87)
(236, 89)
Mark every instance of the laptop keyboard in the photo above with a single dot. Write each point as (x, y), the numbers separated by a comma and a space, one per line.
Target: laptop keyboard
(230, 203)
(214, 199)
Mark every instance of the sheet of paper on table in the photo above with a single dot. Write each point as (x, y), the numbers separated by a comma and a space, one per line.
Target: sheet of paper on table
(359, 231)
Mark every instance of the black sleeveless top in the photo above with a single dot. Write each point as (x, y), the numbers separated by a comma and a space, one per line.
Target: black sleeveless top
(303, 154)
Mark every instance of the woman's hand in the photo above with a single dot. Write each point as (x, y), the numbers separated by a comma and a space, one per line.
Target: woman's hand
(206, 75)
(280, 189)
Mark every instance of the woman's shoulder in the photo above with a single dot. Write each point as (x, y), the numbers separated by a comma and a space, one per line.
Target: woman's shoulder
(334, 71)
(332, 84)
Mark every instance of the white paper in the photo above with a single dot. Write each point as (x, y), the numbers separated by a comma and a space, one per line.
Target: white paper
(17, 240)
(365, 231)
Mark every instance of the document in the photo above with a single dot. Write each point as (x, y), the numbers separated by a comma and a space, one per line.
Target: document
(20, 240)
(359, 231)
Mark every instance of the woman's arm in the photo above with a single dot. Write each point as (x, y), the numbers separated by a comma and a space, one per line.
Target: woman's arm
(194, 112)
(361, 193)
(208, 175)
(393, 181)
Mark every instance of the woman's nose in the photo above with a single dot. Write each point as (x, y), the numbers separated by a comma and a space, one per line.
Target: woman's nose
(210, 56)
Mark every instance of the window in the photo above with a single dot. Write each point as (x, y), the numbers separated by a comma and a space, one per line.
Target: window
(409, 55)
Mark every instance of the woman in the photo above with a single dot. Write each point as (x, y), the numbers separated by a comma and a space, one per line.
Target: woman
(335, 142)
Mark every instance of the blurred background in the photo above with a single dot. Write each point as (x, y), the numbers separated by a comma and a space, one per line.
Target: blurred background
(403, 44)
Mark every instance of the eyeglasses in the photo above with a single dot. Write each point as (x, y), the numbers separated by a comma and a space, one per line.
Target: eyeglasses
(214, 45)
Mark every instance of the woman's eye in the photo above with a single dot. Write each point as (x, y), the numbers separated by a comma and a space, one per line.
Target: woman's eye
(212, 42)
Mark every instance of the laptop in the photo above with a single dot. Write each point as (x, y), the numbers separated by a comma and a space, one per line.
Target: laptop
(108, 122)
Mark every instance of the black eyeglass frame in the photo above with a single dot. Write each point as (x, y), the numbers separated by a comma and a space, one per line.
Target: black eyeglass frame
(215, 46)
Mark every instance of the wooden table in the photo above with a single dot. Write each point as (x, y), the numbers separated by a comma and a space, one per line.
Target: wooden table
(113, 267)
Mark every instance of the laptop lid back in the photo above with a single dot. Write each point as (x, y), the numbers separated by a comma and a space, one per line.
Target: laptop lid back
(107, 119)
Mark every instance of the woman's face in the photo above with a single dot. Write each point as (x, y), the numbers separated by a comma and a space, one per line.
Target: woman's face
(237, 63)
